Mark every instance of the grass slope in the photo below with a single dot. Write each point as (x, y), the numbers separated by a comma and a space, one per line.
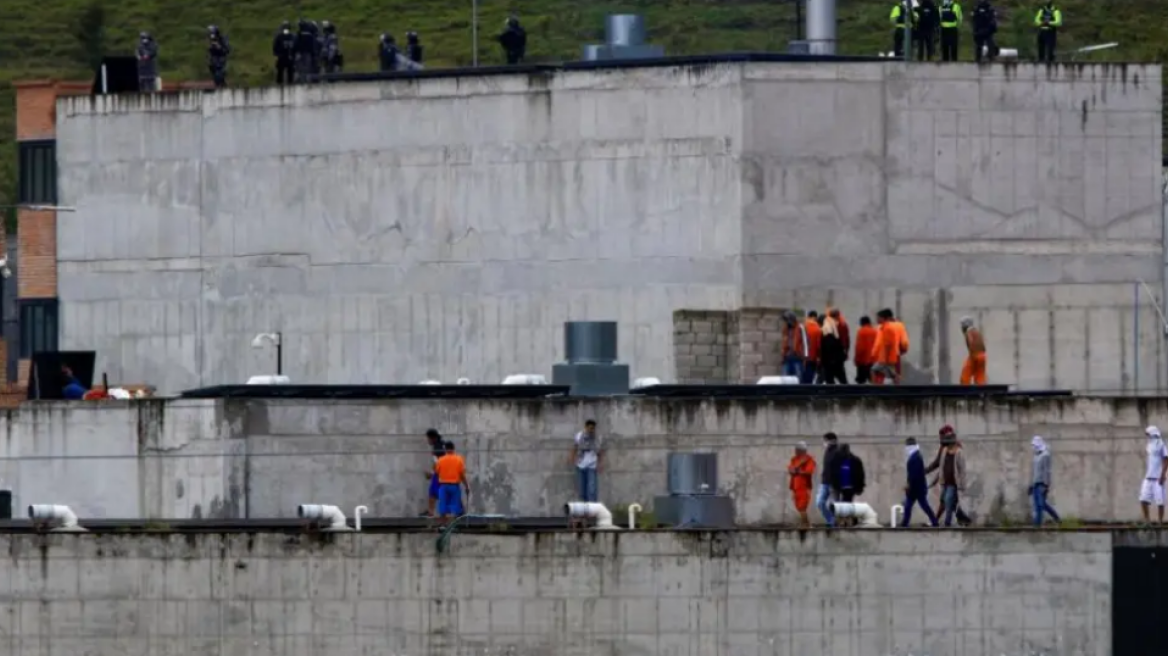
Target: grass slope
(38, 37)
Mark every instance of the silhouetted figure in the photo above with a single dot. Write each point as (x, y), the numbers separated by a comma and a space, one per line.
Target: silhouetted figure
(514, 41)
(387, 53)
(334, 60)
(217, 50)
(413, 47)
(307, 52)
(147, 63)
(284, 50)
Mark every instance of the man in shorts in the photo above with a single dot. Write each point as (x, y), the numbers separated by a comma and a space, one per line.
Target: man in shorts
(451, 470)
(1152, 489)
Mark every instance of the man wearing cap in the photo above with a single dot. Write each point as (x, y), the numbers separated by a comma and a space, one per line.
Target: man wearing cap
(801, 469)
(950, 467)
(1152, 489)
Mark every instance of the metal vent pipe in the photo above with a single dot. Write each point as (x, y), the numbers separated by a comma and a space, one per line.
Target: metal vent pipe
(590, 342)
(627, 29)
(821, 25)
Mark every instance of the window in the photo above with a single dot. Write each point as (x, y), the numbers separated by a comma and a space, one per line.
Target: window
(38, 326)
(38, 172)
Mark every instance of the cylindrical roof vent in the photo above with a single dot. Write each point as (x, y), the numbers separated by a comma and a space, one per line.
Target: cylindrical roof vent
(624, 30)
(693, 473)
(593, 52)
(821, 25)
(590, 342)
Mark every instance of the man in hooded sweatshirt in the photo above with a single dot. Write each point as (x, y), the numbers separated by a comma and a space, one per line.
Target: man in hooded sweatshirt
(951, 462)
(801, 470)
(916, 489)
(1152, 489)
(1040, 481)
(826, 496)
(848, 475)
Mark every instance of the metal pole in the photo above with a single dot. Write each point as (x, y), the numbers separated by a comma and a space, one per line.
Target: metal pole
(474, 31)
(1136, 341)
(279, 354)
(907, 30)
(104, 80)
(798, 19)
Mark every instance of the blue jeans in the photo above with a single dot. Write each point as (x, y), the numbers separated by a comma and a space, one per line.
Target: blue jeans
(822, 501)
(809, 371)
(587, 483)
(921, 499)
(949, 502)
(793, 366)
(1038, 495)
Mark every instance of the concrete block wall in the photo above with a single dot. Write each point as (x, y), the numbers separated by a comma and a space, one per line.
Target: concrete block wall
(702, 346)
(259, 459)
(1025, 196)
(688, 594)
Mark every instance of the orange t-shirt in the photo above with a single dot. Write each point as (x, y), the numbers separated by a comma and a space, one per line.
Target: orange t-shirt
(451, 468)
(865, 345)
(804, 466)
(814, 337)
(888, 341)
(974, 341)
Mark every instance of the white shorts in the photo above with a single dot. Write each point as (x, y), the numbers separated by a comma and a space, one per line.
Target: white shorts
(1152, 492)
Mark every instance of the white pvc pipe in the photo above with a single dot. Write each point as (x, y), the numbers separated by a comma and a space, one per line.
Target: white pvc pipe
(897, 509)
(586, 510)
(56, 517)
(861, 511)
(357, 512)
(633, 510)
(329, 518)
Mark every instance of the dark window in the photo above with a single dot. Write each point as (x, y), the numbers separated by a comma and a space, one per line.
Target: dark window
(38, 326)
(38, 172)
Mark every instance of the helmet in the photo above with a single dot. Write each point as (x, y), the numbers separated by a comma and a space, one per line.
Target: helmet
(144, 35)
(412, 36)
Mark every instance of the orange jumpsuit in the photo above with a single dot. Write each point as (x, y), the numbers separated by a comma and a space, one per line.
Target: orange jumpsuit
(891, 342)
(801, 468)
(814, 337)
(974, 371)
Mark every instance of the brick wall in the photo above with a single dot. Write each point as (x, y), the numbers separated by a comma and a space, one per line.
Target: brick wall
(726, 347)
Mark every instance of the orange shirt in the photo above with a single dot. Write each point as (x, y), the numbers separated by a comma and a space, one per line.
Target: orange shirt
(974, 341)
(814, 337)
(901, 335)
(451, 468)
(887, 348)
(865, 345)
(804, 467)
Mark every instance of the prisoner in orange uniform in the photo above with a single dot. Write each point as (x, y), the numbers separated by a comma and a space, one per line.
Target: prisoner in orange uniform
(801, 469)
(974, 371)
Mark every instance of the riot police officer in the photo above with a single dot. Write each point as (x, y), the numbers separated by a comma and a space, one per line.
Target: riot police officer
(284, 50)
(985, 26)
(925, 14)
(334, 60)
(147, 53)
(413, 47)
(307, 52)
(387, 53)
(902, 23)
(1048, 20)
(514, 41)
(217, 51)
(950, 29)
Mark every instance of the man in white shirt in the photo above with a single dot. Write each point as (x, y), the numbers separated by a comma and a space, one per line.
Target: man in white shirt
(1152, 490)
(586, 455)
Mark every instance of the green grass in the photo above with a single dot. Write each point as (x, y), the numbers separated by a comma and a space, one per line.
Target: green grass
(38, 37)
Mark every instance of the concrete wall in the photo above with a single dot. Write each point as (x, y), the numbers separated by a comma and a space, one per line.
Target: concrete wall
(179, 459)
(405, 230)
(707, 594)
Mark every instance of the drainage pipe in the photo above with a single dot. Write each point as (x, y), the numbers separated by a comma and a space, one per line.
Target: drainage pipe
(329, 518)
(633, 510)
(357, 512)
(897, 510)
(586, 510)
(861, 511)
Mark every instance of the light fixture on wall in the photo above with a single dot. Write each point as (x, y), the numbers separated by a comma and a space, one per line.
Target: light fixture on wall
(277, 340)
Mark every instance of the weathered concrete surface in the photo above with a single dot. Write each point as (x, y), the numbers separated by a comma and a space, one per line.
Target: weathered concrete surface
(698, 594)
(261, 459)
(398, 231)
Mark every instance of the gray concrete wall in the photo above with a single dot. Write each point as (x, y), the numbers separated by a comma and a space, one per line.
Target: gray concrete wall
(180, 459)
(397, 231)
(707, 594)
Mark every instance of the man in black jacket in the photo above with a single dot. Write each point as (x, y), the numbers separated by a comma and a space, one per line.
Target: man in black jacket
(847, 475)
(926, 33)
(284, 50)
(826, 494)
(514, 41)
(985, 26)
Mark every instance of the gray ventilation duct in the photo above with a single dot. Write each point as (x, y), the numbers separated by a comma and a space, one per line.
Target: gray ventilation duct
(591, 369)
(821, 24)
(626, 30)
(693, 473)
(624, 36)
(693, 499)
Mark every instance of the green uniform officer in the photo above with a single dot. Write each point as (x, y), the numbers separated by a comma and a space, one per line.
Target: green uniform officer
(1048, 20)
(898, 28)
(950, 24)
